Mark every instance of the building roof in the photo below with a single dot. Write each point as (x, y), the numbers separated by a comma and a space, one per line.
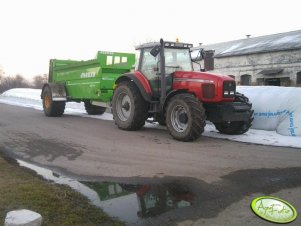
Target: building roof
(262, 44)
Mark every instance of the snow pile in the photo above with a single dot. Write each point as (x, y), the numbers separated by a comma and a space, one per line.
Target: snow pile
(32, 94)
(23, 97)
(275, 108)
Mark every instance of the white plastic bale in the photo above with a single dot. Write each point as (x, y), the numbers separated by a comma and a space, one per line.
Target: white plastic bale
(23, 218)
(275, 108)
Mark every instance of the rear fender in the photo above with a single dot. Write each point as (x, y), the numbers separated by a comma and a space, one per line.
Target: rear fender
(140, 81)
(58, 91)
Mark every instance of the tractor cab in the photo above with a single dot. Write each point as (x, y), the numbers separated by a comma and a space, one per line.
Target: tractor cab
(177, 58)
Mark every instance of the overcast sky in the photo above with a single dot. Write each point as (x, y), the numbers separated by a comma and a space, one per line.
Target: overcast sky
(34, 31)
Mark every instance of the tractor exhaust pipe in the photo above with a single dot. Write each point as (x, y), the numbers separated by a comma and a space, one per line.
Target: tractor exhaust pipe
(163, 78)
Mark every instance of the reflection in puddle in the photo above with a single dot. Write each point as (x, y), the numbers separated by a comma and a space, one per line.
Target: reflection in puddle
(129, 203)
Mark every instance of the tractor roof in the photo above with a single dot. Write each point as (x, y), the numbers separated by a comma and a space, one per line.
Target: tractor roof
(176, 45)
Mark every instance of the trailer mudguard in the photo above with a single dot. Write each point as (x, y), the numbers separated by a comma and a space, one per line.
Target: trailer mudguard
(58, 91)
(140, 81)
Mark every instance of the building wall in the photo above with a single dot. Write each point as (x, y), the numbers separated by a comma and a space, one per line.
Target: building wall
(238, 66)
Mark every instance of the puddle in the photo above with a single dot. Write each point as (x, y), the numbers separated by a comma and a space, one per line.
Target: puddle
(173, 200)
(127, 202)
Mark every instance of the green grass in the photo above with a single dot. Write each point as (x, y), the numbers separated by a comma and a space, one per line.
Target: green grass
(58, 204)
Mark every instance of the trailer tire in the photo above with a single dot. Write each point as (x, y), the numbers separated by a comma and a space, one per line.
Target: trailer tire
(52, 108)
(93, 109)
(185, 117)
(129, 109)
(238, 127)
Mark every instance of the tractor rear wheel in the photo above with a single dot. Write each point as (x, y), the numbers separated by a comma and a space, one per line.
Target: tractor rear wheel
(185, 117)
(238, 127)
(52, 108)
(93, 109)
(129, 109)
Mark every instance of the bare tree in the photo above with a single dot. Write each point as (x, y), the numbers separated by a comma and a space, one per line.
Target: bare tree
(9, 82)
(39, 81)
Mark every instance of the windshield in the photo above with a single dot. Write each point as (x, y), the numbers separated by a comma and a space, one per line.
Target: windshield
(177, 59)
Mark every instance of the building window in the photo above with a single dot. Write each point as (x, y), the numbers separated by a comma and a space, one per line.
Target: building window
(245, 80)
(299, 78)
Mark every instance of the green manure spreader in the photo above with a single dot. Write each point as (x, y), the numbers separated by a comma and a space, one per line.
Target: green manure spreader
(91, 81)
(163, 87)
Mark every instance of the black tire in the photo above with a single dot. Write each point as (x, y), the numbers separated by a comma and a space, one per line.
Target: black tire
(129, 109)
(160, 118)
(93, 109)
(52, 108)
(185, 117)
(239, 127)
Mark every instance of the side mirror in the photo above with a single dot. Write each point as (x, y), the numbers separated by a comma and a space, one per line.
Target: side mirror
(155, 50)
(202, 54)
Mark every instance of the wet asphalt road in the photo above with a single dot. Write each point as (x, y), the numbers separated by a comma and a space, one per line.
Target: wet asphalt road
(223, 176)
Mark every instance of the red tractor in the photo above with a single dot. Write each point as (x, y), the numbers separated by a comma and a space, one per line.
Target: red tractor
(165, 87)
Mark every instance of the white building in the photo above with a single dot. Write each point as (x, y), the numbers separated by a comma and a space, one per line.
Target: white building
(265, 60)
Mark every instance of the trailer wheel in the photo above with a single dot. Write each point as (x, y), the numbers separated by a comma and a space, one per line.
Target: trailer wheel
(185, 117)
(52, 108)
(93, 109)
(129, 108)
(239, 127)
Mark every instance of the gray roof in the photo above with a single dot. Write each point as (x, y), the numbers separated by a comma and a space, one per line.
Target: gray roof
(268, 43)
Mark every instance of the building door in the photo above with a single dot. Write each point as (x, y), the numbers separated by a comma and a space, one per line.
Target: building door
(272, 82)
(245, 80)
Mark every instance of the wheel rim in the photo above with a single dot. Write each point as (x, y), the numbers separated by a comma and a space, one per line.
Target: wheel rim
(179, 119)
(47, 101)
(123, 107)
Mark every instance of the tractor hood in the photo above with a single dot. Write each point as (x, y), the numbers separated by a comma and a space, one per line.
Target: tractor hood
(207, 87)
(205, 76)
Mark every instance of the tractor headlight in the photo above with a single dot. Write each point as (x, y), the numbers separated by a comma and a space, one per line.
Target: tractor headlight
(229, 88)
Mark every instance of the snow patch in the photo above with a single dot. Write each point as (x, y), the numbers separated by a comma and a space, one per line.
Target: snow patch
(287, 39)
(230, 49)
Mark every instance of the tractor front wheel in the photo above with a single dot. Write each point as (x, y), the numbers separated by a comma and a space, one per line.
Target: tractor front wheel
(52, 108)
(233, 128)
(185, 117)
(237, 127)
(129, 109)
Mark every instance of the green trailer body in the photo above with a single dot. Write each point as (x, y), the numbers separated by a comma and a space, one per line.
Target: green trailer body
(91, 80)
